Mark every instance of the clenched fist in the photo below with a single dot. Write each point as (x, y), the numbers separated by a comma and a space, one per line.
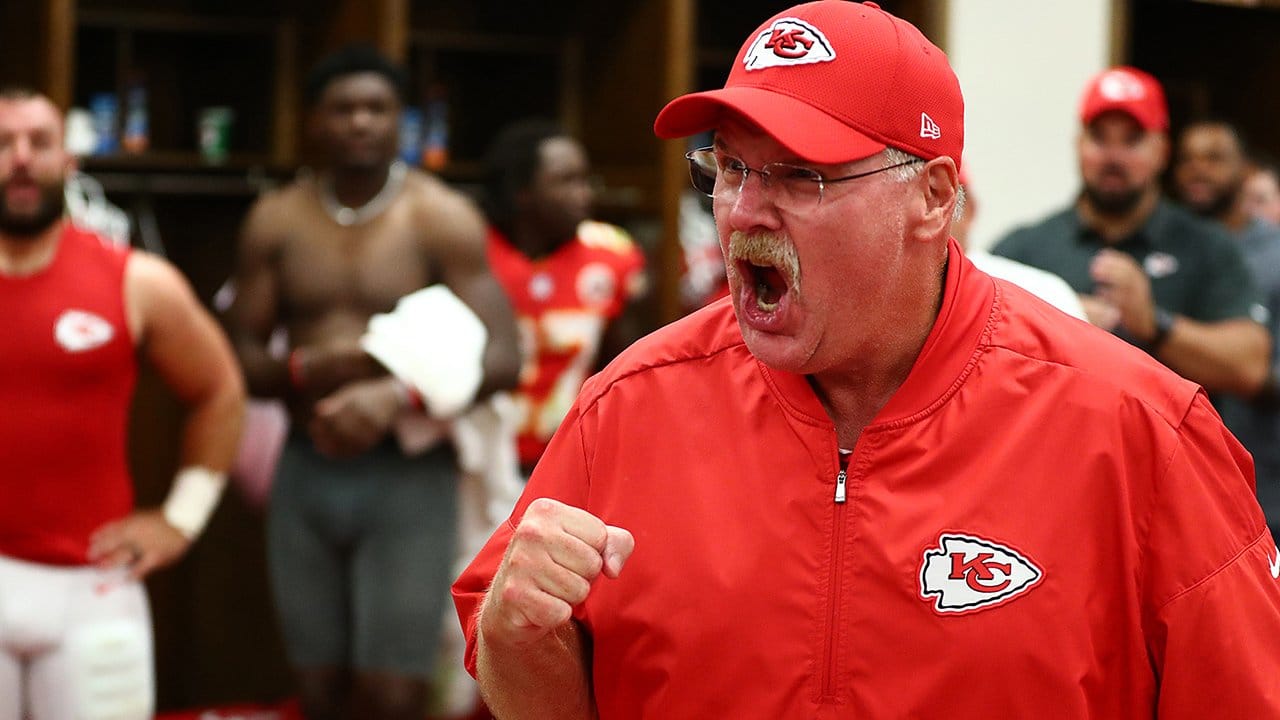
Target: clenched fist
(554, 555)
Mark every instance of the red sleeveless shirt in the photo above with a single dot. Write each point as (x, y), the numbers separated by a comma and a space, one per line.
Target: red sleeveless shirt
(67, 375)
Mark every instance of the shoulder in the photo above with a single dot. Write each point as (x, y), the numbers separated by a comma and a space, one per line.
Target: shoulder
(84, 240)
(672, 352)
(1046, 285)
(1080, 366)
(1022, 274)
(442, 209)
(151, 274)
(1193, 233)
(1029, 236)
(608, 238)
(273, 212)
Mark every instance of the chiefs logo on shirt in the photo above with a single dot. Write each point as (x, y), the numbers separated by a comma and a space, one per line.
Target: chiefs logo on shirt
(596, 285)
(965, 573)
(78, 331)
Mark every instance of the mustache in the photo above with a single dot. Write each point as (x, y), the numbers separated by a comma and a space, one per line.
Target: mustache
(766, 248)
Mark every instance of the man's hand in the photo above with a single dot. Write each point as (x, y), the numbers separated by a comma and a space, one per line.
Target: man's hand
(142, 542)
(557, 551)
(1122, 284)
(356, 417)
(320, 370)
(1099, 312)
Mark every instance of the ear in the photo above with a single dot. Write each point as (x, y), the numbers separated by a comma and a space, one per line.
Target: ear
(1163, 147)
(941, 185)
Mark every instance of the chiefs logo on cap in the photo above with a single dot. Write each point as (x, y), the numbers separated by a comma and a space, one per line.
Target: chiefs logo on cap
(966, 573)
(788, 41)
(1121, 86)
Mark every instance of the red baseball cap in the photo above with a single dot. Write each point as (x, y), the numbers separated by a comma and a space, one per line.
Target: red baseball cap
(1129, 90)
(835, 81)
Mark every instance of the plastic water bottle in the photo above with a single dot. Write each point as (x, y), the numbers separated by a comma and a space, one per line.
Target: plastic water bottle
(137, 133)
(411, 135)
(105, 110)
(435, 150)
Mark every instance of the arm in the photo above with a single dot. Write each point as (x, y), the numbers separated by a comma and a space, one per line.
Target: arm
(182, 341)
(517, 598)
(254, 314)
(530, 653)
(1211, 580)
(1229, 355)
(458, 250)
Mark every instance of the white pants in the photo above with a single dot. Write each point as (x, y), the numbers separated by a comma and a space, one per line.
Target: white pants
(75, 644)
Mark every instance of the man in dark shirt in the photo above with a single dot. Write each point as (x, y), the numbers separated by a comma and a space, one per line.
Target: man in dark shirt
(1209, 173)
(1147, 270)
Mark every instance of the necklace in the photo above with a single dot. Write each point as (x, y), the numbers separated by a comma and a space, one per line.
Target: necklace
(347, 216)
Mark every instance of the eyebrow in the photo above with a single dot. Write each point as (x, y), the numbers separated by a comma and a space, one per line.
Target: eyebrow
(720, 145)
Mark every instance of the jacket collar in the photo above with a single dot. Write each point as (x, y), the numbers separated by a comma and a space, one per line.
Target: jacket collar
(961, 329)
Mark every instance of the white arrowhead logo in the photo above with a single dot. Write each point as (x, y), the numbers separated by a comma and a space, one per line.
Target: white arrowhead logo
(1275, 565)
(966, 573)
(789, 41)
(77, 331)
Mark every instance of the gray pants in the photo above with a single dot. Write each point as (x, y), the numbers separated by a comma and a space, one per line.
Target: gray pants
(360, 553)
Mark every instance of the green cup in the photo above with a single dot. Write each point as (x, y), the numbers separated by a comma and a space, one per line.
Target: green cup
(214, 131)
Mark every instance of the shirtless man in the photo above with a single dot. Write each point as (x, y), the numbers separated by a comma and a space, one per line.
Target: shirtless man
(75, 631)
(360, 535)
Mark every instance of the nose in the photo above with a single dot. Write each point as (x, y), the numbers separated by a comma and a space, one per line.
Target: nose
(361, 119)
(20, 152)
(751, 207)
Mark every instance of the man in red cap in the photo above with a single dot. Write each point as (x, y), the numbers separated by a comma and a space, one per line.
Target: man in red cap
(1147, 270)
(877, 482)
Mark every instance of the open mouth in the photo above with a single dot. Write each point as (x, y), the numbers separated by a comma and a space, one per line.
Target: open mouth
(769, 284)
(768, 272)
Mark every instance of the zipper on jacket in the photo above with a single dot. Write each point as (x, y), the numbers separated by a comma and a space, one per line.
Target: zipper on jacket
(833, 592)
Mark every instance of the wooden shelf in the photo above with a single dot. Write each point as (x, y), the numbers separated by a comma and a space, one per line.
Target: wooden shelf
(186, 184)
(182, 173)
(174, 160)
(457, 41)
(134, 21)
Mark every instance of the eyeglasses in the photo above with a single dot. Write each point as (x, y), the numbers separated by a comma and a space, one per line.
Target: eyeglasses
(795, 187)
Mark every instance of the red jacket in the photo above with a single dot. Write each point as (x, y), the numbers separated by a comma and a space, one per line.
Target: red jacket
(1043, 522)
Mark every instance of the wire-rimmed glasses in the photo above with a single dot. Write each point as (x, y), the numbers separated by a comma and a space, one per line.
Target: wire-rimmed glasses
(795, 187)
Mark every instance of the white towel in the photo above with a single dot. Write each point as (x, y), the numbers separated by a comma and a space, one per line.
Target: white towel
(434, 342)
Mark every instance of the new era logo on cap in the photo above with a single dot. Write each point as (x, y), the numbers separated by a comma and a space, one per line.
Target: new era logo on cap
(788, 42)
(929, 128)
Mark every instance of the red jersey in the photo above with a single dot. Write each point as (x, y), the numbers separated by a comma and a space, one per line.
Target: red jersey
(563, 303)
(1043, 522)
(67, 374)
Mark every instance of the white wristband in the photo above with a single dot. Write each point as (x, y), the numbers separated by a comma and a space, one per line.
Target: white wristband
(192, 499)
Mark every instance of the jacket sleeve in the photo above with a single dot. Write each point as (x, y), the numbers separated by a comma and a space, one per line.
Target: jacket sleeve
(560, 474)
(1211, 585)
